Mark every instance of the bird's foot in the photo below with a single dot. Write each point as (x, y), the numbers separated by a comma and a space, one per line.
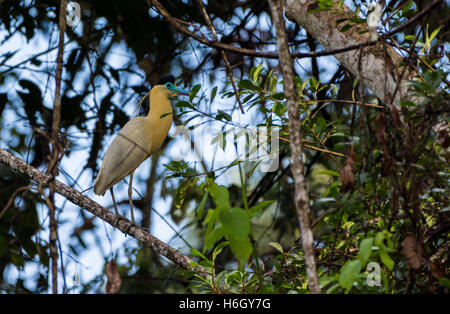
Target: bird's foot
(116, 221)
(131, 224)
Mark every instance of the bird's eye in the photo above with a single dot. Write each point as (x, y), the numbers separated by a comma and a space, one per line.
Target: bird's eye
(168, 85)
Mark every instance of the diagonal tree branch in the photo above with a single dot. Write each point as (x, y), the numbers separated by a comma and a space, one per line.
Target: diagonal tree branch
(94, 208)
(249, 52)
(289, 6)
(297, 166)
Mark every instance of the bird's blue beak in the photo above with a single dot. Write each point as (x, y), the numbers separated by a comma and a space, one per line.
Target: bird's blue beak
(178, 91)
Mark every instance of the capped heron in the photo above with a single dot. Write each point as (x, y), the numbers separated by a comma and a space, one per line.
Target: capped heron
(137, 140)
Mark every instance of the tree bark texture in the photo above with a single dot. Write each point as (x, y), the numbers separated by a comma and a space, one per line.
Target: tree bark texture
(94, 208)
(379, 68)
(297, 166)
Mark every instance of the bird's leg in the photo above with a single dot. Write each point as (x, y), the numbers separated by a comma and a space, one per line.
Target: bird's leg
(130, 198)
(115, 207)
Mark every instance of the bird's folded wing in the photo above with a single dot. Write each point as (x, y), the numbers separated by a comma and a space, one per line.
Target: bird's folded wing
(127, 151)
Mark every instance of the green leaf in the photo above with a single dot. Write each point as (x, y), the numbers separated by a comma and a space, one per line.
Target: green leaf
(213, 237)
(235, 277)
(321, 125)
(219, 249)
(365, 249)
(246, 84)
(202, 279)
(434, 34)
(338, 134)
(164, 115)
(385, 258)
(326, 280)
(194, 92)
(210, 216)
(220, 195)
(355, 82)
(210, 222)
(444, 282)
(302, 87)
(220, 140)
(256, 210)
(176, 166)
(410, 37)
(339, 21)
(248, 97)
(279, 109)
(222, 115)
(273, 84)
(277, 246)
(383, 249)
(193, 264)
(256, 72)
(236, 224)
(349, 273)
(333, 288)
(328, 172)
(345, 28)
(213, 95)
(197, 253)
(250, 172)
(314, 83)
(182, 189)
(407, 7)
(201, 206)
(182, 103)
(407, 103)
(379, 239)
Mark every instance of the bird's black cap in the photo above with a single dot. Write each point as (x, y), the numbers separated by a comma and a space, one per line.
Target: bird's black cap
(165, 79)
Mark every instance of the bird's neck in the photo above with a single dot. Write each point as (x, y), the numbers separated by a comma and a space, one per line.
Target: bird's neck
(160, 106)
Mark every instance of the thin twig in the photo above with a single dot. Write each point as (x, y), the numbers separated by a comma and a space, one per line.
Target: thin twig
(12, 198)
(274, 55)
(301, 191)
(222, 52)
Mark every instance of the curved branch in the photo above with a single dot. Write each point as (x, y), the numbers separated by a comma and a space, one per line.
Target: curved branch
(94, 208)
(249, 52)
(274, 55)
(223, 54)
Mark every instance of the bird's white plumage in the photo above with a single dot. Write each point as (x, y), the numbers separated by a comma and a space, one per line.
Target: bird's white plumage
(117, 163)
(138, 139)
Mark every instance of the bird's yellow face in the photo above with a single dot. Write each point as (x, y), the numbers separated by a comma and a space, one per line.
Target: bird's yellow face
(173, 90)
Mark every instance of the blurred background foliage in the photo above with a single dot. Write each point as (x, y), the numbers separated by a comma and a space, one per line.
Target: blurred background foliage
(379, 192)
